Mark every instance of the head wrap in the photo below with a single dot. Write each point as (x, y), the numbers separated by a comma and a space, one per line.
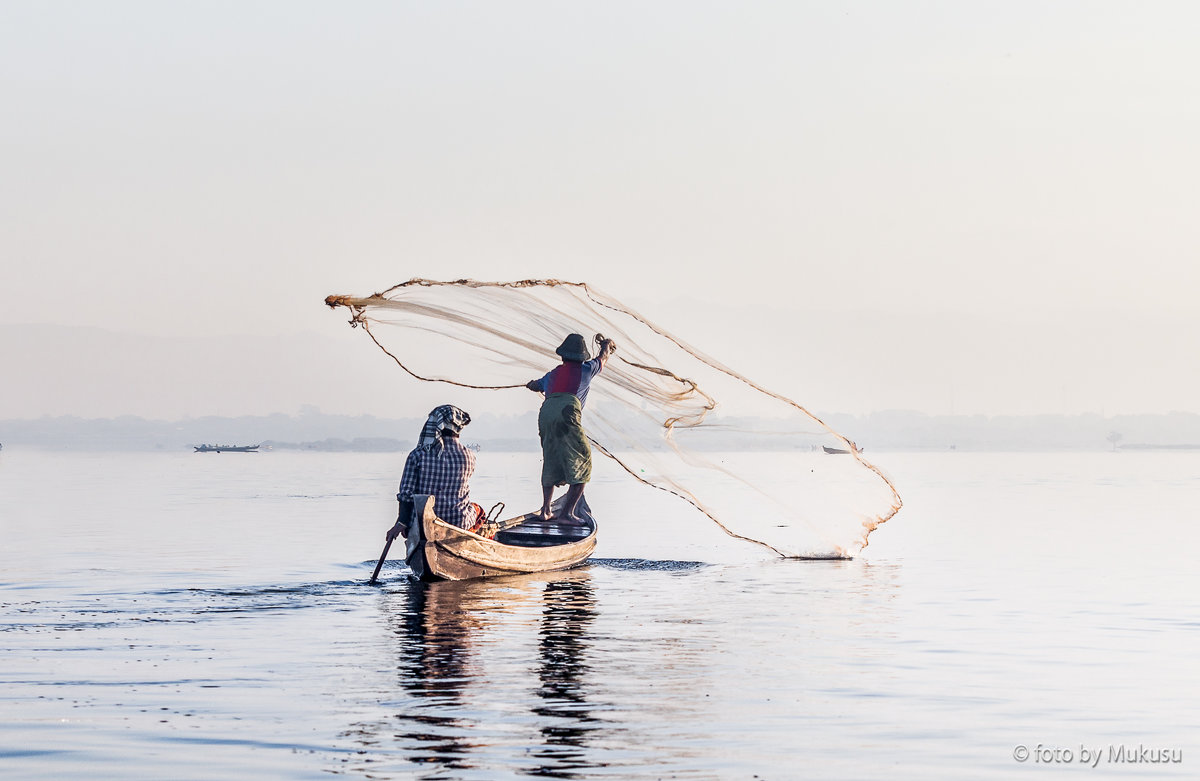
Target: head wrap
(574, 348)
(444, 417)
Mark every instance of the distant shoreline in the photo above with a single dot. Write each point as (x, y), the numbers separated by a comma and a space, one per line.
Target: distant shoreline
(895, 430)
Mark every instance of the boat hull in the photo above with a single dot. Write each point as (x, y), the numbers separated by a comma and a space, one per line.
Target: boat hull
(437, 550)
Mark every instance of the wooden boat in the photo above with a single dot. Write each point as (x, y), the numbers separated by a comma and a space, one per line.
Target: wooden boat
(226, 448)
(436, 550)
(833, 451)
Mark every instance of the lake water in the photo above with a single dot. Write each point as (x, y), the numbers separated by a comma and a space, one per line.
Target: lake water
(206, 616)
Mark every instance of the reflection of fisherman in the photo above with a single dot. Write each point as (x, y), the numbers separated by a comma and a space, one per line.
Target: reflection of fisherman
(439, 465)
(438, 627)
(566, 456)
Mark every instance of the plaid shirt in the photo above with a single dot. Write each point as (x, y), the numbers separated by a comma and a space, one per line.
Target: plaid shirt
(445, 475)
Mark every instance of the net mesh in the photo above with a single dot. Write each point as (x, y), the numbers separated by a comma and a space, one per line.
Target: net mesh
(756, 463)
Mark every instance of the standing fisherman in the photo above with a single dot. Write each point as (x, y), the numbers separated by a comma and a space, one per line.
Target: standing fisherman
(566, 456)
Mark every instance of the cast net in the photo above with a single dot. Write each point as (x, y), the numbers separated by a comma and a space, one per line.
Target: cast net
(753, 461)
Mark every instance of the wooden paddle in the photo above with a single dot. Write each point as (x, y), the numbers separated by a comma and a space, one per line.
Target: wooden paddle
(379, 566)
(406, 507)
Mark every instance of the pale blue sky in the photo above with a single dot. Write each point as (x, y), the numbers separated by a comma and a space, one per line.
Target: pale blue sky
(217, 168)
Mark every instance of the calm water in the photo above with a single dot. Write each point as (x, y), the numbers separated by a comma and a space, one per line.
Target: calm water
(205, 616)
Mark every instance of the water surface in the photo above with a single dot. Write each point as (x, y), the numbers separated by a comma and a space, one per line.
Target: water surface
(202, 616)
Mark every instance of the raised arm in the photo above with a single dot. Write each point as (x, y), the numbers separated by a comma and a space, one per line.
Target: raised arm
(607, 348)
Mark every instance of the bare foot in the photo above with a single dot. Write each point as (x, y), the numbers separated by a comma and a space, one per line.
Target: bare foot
(545, 514)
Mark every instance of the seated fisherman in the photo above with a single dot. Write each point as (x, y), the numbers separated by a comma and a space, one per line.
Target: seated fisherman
(439, 465)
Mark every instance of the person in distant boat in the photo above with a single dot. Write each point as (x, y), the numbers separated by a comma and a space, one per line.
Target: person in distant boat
(440, 466)
(566, 455)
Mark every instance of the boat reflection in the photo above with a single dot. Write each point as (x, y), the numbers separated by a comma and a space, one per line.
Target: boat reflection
(568, 610)
(435, 631)
(461, 652)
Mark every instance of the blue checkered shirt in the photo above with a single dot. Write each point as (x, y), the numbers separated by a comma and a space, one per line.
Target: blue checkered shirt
(446, 475)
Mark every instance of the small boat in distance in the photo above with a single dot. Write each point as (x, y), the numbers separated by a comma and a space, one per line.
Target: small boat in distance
(437, 550)
(835, 451)
(226, 448)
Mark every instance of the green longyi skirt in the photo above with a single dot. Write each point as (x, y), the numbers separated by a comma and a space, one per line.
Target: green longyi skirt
(566, 455)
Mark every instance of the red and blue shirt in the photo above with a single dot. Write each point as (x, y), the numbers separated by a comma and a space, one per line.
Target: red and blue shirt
(571, 377)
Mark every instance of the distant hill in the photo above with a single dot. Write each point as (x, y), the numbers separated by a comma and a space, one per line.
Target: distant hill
(312, 431)
(901, 430)
(893, 430)
(93, 373)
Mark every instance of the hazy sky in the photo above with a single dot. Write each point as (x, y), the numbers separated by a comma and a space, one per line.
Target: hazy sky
(217, 168)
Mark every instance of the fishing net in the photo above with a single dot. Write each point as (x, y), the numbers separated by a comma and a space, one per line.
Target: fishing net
(751, 460)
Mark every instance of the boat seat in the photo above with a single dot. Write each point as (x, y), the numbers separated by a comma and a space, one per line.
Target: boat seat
(540, 534)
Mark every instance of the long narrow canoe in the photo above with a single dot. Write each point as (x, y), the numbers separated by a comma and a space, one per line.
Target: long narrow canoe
(437, 550)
